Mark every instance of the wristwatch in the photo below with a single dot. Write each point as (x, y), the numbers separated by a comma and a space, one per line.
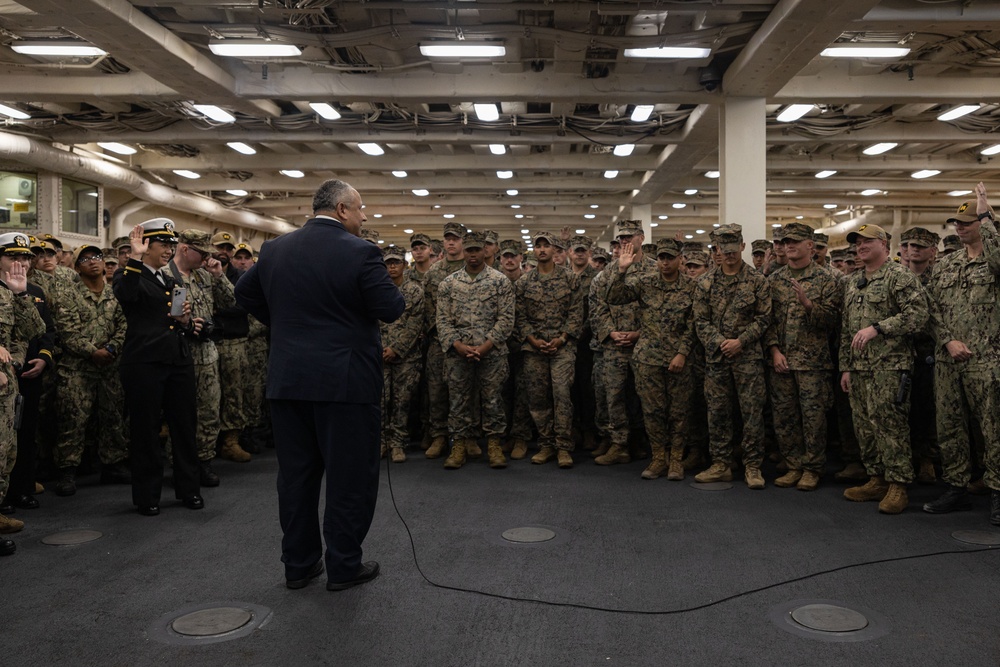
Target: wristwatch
(878, 328)
(985, 214)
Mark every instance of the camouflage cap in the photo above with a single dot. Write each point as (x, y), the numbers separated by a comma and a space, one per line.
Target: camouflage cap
(109, 255)
(121, 242)
(615, 243)
(394, 252)
(628, 228)
(224, 238)
(474, 239)
(821, 240)
(921, 237)
(511, 247)
(243, 246)
(369, 234)
(600, 254)
(693, 246)
(796, 231)
(551, 237)
(454, 228)
(728, 237)
(197, 239)
(671, 247)
(778, 233)
(867, 232)
(491, 236)
(838, 253)
(649, 248)
(530, 258)
(699, 257)
(852, 250)
(761, 246)
(584, 242)
(84, 248)
(952, 243)
(15, 243)
(437, 247)
(418, 238)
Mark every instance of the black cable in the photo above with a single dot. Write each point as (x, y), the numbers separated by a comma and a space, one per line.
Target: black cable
(647, 612)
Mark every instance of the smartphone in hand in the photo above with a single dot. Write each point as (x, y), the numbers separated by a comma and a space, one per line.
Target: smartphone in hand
(177, 303)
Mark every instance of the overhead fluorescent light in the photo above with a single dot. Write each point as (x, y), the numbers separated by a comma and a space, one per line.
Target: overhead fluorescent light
(773, 226)
(691, 191)
(688, 236)
(515, 206)
(325, 110)
(525, 231)
(505, 174)
(512, 193)
(826, 173)
(712, 174)
(377, 215)
(871, 191)
(699, 231)
(519, 215)
(498, 149)
(624, 150)
(991, 150)
(253, 48)
(958, 112)
(526, 237)
(641, 113)
(420, 192)
(399, 173)
(799, 217)
(788, 192)
(654, 224)
(238, 193)
(829, 206)
(11, 112)
(959, 193)
(581, 231)
(486, 112)
(925, 173)
(679, 205)
(407, 231)
(371, 149)
(187, 173)
(381, 241)
(669, 52)
(589, 216)
(878, 149)
(463, 49)
(594, 206)
(293, 173)
(241, 147)
(663, 217)
(66, 48)
(794, 112)
(611, 173)
(215, 113)
(859, 51)
(116, 147)
(448, 216)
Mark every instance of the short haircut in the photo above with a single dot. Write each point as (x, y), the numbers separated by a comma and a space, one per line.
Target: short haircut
(331, 193)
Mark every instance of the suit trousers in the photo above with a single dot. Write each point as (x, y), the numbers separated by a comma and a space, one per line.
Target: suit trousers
(154, 391)
(341, 440)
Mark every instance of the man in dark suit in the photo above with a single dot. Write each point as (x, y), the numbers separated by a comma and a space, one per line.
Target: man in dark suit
(322, 290)
(157, 370)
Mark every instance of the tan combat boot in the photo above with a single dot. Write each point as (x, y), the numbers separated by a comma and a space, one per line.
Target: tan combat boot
(472, 449)
(231, 449)
(544, 455)
(495, 452)
(425, 442)
(874, 489)
(676, 471)
(457, 457)
(895, 500)
(564, 458)
(789, 479)
(398, 455)
(8, 525)
(693, 460)
(718, 472)
(616, 454)
(852, 472)
(926, 473)
(753, 477)
(520, 450)
(809, 481)
(437, 447)
(657, 466)
(602, 447)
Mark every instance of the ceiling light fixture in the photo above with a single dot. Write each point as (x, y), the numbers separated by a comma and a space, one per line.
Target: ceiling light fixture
(959, 193)
(688, 236)
(624, 150)
(325, 110)
(399, 173)
(712, 174)
(519, 215)
(958, 112)
(654, 224)
(594, 206)
(856, 51)
(691, 191)
(793, 112)
(420, 192)
(241, 147)
(871, 191)
(116, 147)
(515, 206)
(464, 49)
(498, 149)
(668, 52)
(407, 231)
(252, 48)
(187, 173)
(525, 231)
(663, 217)
(773, 226)
(829, 206)
(878, 149)
(589, 216)
(641, 113)
(826, 173)
(11, 112)
(486, 112)
(215, 113)
(679, 205)
(292, 173)
(991, 150)
(611, 173)
(505, 174)
(925, 173)
(54, 47)
(581, 231)
(448, 216)
(238, 193)
(371, 149)
(699, 231)
(512, 193)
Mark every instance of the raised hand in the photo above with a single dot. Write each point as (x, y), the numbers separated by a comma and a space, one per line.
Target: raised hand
(16, 278)
(139, 244)
(626, 256)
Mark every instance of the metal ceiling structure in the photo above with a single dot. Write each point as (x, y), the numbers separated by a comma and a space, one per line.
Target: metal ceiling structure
(565, 90)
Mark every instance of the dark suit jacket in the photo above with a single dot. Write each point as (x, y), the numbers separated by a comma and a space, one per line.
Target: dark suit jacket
(152, 336)
(322, 291)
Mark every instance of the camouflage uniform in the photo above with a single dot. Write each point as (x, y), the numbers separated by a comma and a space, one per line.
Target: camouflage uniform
(667, 329)
(256, 379)
(401, 375)
(88, 322)
(472, 310)
(893, 298)
(548, 306)
(737, 306)
(437, 389)
(966, 308)
(802, 395)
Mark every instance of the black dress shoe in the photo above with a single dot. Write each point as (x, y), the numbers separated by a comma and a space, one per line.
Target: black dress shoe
(365, 573)
(207, 476)
(316, 570)
(955, 499)
(148, 510)
(7, 547)
(24, 502)
(194, 502)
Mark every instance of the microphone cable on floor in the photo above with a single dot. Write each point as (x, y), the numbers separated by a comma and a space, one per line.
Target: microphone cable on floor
(656, 612)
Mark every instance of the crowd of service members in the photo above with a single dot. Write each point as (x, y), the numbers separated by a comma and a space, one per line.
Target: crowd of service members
(671, 352)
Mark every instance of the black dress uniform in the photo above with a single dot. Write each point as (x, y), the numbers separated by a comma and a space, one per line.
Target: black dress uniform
(158, 379)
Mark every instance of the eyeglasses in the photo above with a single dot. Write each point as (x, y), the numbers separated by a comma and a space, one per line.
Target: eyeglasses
(91, 258)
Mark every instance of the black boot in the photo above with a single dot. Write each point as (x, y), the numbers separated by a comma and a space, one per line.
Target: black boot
(995, 508)
(206, 475)
(66, 484)
(7, 547)
(955, 499)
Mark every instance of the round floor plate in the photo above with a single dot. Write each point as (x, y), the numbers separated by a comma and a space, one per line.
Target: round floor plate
(528, 534)
(986, 538)
(211, 622)
(829, 618)
(71, 537)
(712, 486)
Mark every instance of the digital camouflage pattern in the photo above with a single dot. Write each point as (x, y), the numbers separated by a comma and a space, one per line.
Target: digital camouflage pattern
(666, 322)
(401, 376)
(437, 390)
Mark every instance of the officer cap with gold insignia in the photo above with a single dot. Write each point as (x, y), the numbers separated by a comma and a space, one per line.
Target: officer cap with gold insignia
(868, 232)
(243, 246)
(159, 229)
(15, 243)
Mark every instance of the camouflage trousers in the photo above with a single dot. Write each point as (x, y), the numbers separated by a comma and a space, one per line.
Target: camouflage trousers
(665, 398)
(601, 419)
(208, 396)
(81, 396)
(8, 436)
(624, 410)
(464, 378)
(255, 379)
(739, 385)
(923, 425)
(516, 398)
(232, 377)
(548, 379)
(800, 400)
(437, 390)
(882, 425)
(963, 393)
(399, 386)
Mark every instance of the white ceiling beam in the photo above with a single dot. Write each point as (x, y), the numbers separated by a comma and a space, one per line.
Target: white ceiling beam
(835, 84)
(435, 184)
